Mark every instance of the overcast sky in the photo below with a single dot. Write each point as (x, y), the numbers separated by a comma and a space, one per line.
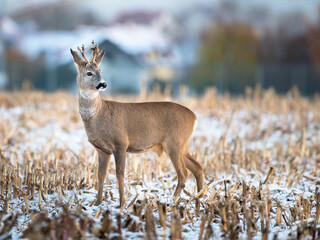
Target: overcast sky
(107, 9)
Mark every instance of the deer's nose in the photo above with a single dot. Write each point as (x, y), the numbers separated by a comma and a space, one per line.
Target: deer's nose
(102, 85)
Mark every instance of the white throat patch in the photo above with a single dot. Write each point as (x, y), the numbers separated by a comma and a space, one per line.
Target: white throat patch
(86, 112)
(89, 94)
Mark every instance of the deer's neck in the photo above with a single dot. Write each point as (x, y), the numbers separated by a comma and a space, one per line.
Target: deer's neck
(89, 104)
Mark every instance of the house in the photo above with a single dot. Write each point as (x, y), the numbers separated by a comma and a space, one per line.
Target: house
(129, 61)
(135, 54)
(122, 71)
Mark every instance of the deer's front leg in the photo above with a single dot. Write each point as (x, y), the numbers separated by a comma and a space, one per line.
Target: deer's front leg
(120, 158)
(104, 160)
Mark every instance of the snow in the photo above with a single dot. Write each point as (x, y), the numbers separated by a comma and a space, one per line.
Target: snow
(56, 44)
(142, 38)
(8, 28)
(211, 128)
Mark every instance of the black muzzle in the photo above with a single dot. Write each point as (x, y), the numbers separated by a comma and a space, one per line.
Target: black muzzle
(102, 85)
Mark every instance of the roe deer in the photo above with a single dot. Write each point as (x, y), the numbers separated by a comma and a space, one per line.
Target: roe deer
(117, 128)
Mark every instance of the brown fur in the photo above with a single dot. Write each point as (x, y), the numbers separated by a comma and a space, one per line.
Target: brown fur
(117, 128)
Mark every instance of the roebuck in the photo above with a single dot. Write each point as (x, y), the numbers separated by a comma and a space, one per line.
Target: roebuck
(117, 128)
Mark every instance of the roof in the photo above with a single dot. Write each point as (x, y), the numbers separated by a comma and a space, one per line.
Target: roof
(131, 38)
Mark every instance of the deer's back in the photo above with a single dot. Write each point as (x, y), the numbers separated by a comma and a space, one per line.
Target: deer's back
(154, 120)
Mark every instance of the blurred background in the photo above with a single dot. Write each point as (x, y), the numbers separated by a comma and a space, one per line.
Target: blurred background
(198, 43)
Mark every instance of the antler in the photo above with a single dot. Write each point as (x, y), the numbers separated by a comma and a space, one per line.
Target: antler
(83, 53)
(95, 52)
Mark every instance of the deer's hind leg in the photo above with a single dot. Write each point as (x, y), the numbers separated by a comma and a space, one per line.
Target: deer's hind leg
(104, 160)
(176, 155)
(196, 168)
(120, 158)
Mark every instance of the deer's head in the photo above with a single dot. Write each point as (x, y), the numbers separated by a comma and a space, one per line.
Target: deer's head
(89, 74)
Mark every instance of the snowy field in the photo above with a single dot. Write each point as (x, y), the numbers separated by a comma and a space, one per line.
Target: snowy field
(260, 154)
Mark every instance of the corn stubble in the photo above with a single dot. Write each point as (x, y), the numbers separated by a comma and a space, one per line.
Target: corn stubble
(233, 205)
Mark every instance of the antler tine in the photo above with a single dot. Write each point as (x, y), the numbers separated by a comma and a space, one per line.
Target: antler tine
(95, 51)
(83, 53)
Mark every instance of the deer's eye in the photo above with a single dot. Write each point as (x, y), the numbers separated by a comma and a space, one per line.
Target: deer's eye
(89, 73)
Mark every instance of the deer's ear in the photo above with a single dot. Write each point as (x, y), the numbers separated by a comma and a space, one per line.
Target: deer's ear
(77, 59)
(99, 58)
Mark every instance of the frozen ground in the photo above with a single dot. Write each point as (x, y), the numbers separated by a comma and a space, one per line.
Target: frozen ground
(238, 148)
